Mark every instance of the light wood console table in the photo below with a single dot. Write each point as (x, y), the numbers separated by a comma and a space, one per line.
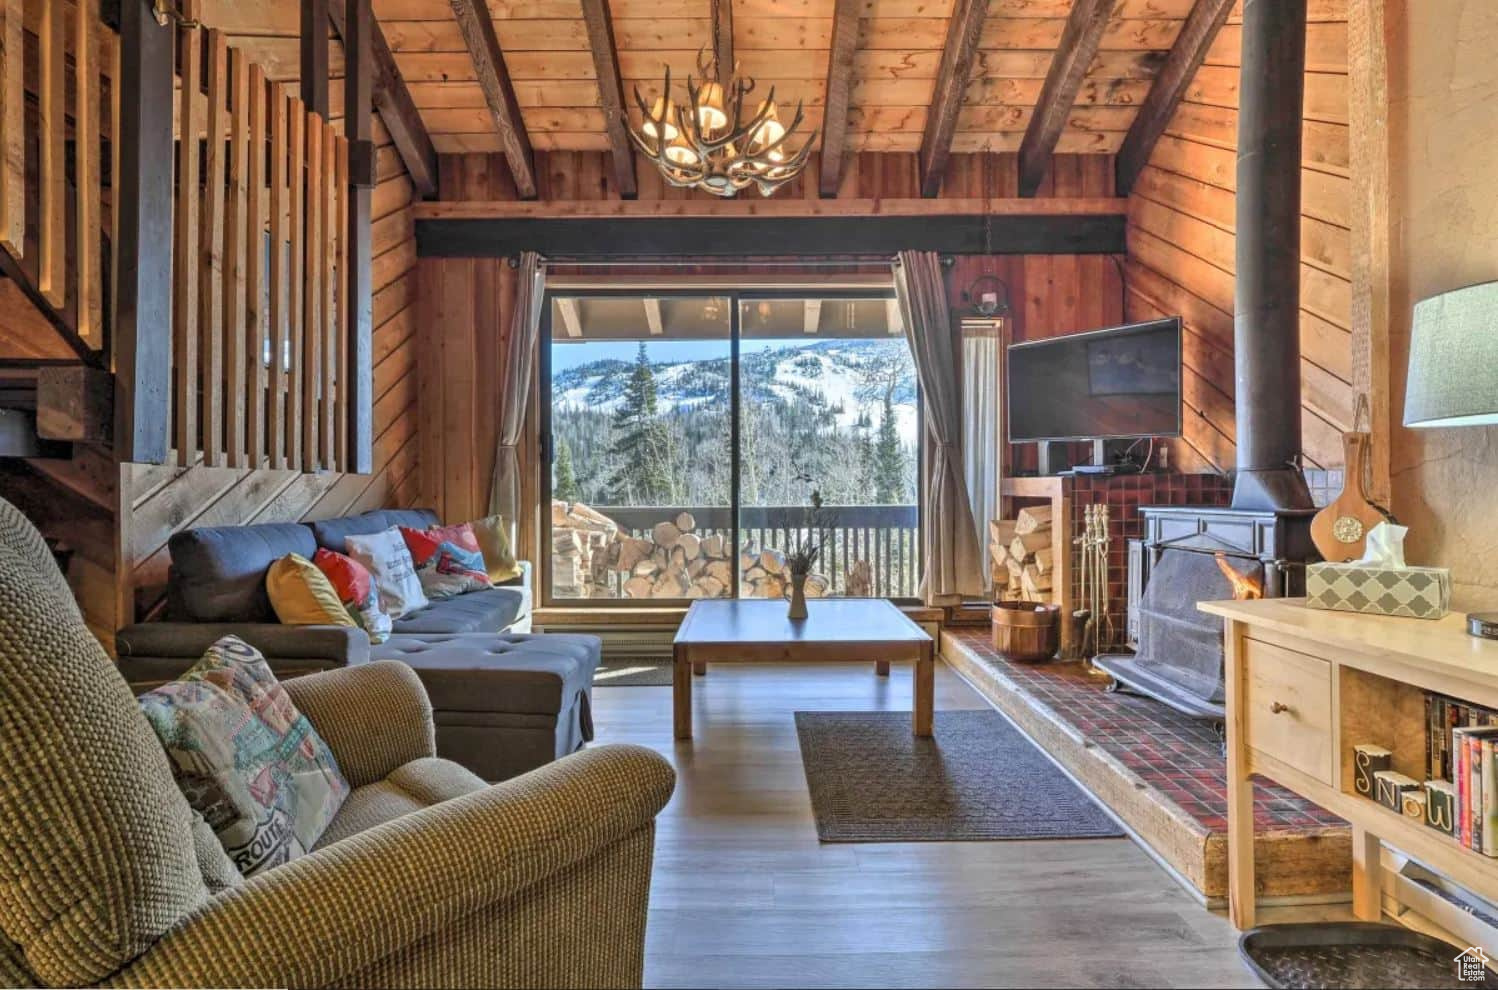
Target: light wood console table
(1304, 686)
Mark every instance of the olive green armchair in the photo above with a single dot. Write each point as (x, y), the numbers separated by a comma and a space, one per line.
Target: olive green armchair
(426, 877)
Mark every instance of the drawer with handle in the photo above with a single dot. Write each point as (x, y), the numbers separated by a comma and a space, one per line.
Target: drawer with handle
(1287, 707)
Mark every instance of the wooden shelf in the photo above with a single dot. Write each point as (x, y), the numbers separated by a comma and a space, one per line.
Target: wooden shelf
(1052, 489)
(1303, 682)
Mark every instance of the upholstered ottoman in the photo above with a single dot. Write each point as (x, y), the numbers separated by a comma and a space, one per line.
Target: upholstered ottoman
(503, 703)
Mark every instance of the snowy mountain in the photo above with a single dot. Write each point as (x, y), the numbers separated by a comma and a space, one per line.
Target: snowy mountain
(837, 378)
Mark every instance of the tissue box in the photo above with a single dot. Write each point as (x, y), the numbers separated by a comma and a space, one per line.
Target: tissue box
(1417, 592)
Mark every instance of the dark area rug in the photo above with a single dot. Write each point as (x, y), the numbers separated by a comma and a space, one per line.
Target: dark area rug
(633, 672)
(978, 779)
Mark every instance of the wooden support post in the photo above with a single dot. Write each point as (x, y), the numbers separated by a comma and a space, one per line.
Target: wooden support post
(1242, 889)
(13, 131)
(1372, 232)
(238, 349)
(314, 56)
(75, 403)
(88, 212)
(184, 279)
(143, 199)
(355, 376)
(52, 235)
(256, 322)
(211, 258)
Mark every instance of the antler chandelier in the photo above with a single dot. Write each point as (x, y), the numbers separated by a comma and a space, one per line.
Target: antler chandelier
(707, 144)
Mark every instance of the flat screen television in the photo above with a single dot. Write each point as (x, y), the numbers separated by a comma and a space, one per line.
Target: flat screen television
(1119, 383)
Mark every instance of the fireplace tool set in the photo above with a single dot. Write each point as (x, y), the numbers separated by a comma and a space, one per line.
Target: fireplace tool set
(1094, 618)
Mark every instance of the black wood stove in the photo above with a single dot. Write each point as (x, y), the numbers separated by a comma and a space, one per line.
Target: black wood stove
(1265, 534)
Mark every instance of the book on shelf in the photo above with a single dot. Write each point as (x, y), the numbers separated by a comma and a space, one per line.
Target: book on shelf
(1461, 746)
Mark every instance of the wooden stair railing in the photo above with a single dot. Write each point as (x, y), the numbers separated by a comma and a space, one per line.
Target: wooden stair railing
(257, 378)
(53, 102)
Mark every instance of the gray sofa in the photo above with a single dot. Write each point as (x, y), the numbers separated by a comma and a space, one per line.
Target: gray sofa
(505, 700)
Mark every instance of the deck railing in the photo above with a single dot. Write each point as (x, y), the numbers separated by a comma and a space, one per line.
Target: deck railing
(885, 536)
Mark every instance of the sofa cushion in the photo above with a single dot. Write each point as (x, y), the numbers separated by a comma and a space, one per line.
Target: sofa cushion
(302, 595)
(478, 611)
(410, 787)
(218, 572)
(448, 560)
(356, 589)
(388, 560)
(331, 533)
(522, 673)
(493, 534)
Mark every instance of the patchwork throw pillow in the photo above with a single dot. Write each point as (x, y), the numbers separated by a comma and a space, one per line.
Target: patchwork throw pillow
(302, 595)
(493, 534)
(448, 560)
(388, 561)
(356, 590)
(245, 758)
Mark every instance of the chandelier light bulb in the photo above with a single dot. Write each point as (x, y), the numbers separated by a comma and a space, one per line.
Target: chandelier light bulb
(711, 116)
(679, 152)
(660, 124)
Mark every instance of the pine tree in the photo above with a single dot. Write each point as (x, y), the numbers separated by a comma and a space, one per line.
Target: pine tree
(564, 482)
(889, 459)
(643, 447)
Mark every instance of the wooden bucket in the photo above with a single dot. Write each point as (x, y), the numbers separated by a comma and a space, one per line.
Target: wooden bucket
(1026, 630)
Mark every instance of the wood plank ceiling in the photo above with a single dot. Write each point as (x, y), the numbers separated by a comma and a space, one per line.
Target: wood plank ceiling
(1092, 62)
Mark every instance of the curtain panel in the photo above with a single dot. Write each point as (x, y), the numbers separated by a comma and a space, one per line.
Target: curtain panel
(519, 368)
(951, 561)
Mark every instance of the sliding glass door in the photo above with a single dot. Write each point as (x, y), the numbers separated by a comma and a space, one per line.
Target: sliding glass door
(688, 437)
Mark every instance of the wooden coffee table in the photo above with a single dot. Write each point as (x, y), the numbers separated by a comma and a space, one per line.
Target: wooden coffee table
(849, 630)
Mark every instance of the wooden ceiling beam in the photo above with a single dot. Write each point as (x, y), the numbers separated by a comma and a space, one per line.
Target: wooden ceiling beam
(811, 315)
(314, 56)
(838, 96)
(721, 15)
(600, 25)
(393, 102)
(477, 27)
(957, 59)
(1186, 56)
(1079, 46)
(567, 307)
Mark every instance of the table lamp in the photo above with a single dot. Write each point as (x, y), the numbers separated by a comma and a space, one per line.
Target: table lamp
(1453, 375)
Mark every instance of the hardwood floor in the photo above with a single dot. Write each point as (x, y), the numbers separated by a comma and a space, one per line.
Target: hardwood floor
(745, 895)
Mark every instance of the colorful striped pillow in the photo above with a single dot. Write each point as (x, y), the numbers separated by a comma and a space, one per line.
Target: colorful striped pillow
(448, 560)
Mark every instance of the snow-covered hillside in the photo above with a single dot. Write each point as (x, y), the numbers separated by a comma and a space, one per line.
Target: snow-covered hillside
(829, 377)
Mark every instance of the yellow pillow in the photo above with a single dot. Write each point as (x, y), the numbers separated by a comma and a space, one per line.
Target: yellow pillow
(494, 543)
(302, 595)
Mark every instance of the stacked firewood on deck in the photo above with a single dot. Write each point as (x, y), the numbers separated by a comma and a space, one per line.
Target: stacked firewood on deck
(1020, 555)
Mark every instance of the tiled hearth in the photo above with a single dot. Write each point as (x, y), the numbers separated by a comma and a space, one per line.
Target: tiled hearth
(1163, 773)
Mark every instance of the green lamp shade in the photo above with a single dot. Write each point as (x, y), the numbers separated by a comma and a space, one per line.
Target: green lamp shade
(1453, 379)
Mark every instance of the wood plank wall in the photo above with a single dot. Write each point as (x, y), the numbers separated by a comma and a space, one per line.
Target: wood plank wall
(464, 304)
(157, 501)
(1181, 245)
